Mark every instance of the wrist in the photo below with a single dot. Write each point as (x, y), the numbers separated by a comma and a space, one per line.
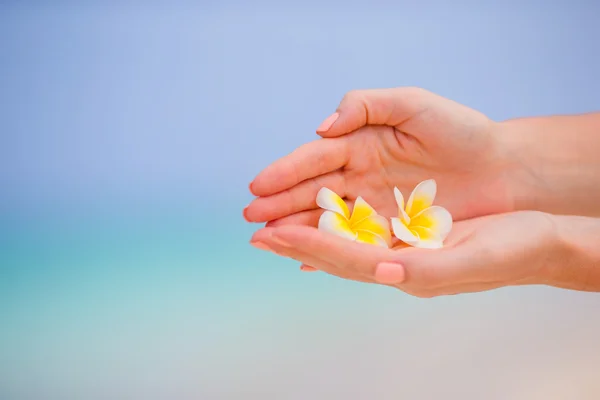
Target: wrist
(551, 163)
(513, 170)
(575, 255)
(519, 151)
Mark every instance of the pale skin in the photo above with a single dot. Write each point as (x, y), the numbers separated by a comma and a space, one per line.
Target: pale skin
(524, 194)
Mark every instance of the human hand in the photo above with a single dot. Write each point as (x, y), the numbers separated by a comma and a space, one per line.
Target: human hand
(384, 138)
(479, 254)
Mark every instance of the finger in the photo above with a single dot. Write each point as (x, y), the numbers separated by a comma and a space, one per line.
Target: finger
(346, 255)
(307, 161)
(426, 269)
(390, 107)
(441, 268)
(298, 198)
(307, 218)
(283, 248)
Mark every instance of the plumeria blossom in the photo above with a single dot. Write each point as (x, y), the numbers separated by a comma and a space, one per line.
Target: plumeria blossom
(421, 224)
(363, 225)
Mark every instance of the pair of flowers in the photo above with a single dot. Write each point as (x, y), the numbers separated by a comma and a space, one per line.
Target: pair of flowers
(419, 222)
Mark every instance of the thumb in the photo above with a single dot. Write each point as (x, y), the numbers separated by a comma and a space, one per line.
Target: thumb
(374, 107)
(394, 107)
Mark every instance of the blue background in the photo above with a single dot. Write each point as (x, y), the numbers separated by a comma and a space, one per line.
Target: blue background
(128, 135)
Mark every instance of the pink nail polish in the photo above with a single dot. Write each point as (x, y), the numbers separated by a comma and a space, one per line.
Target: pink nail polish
(261, 246)
(329, 121)
(390, 273)
(307, 268)
(245, 213)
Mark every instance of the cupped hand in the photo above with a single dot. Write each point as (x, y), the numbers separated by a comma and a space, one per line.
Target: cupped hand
(480, 254)
(382, 138)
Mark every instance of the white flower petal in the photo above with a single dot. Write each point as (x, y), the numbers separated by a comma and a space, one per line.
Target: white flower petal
(360, 211)
(421, 197)
(399, 198)
(336, 224)
(436, 219)
(424, 233)
(329, 200)
(429, 244)
(400, 201)
(402, 232)
(377, 225)
(371, 238)
(404, 217)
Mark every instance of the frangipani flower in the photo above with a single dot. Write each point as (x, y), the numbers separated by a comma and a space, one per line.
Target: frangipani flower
(363, 225)
(421, 224)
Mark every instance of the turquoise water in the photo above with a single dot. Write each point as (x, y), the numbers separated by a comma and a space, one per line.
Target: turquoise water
(88, 301)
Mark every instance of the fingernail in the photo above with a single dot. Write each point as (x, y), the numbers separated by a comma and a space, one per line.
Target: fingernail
(245, 213)
(250, 187)
(325, 125)
(389, 273)
(307, 268)
(261, 246)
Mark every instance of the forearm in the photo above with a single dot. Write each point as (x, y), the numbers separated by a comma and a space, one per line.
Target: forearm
(574, 259)
(554, 162)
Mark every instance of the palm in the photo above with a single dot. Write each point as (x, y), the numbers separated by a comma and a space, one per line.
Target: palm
(510, 243)
(381, 157)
